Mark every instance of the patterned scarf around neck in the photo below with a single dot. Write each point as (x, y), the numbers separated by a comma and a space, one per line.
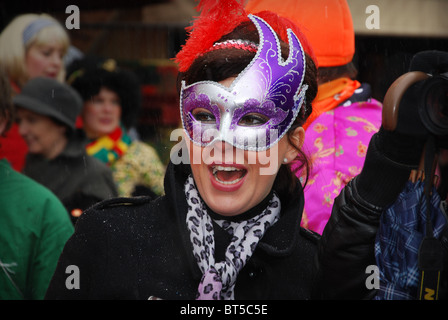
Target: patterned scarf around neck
(111, 147)
(218, 280)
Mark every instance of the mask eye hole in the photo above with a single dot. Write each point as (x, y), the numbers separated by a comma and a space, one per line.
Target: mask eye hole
(203, 115)
(253, 120)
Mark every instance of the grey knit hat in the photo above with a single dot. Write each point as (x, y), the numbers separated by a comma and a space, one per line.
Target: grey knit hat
(51, 98)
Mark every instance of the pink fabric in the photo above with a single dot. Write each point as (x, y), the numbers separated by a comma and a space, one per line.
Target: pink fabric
(336, 143)
(210, 286)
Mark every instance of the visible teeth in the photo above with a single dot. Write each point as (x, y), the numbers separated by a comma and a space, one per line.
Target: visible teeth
(220, 168)
(228, 182)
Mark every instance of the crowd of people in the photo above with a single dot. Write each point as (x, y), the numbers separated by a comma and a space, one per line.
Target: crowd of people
(264, 80)
(55, 137)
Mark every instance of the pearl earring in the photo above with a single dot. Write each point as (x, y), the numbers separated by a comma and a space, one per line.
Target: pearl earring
(285, 160)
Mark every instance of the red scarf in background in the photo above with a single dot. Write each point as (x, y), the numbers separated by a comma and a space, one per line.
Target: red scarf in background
(111, 147)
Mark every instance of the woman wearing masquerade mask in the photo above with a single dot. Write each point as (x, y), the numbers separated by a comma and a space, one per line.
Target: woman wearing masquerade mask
(228, 224)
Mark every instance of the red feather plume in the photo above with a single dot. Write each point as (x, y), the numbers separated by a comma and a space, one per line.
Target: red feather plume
(217, 18)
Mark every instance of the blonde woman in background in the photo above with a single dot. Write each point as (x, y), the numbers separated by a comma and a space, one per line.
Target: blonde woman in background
(31, 45)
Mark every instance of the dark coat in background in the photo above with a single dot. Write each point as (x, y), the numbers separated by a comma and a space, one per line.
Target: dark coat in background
(77, 179)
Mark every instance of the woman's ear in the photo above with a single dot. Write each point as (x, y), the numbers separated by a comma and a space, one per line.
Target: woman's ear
(296, 139)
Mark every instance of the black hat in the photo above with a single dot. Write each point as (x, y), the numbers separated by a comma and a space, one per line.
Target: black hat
(51, 98)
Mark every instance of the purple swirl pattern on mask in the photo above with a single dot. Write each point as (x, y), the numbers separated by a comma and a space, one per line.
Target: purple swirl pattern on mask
(268, 86)
(196, 128)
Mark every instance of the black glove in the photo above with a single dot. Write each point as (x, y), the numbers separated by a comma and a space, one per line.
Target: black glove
(398, 146)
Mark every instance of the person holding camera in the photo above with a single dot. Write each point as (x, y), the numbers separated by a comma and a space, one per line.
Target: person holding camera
(411, 130)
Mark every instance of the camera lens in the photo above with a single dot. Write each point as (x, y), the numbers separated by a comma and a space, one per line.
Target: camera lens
(434, 106)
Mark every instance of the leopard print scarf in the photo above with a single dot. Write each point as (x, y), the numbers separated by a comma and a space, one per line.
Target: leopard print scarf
(218, 280)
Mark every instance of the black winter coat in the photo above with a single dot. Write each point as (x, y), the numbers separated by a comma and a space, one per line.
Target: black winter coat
(136, 248)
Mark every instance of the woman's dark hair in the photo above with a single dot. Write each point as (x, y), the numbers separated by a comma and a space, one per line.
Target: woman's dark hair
(221, 64)
(91, 74)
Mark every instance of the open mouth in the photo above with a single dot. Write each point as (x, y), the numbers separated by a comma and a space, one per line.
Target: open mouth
(228, 175)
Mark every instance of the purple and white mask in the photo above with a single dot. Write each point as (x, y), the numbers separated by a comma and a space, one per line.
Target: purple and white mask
(260, 105)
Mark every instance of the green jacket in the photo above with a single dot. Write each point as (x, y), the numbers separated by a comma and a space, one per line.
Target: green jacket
(34, 226)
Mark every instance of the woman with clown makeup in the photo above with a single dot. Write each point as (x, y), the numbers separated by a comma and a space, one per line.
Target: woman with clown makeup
(228, 226)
